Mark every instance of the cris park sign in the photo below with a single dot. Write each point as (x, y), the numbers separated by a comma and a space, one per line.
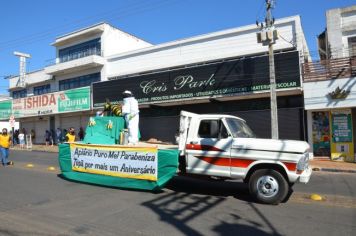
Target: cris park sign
(235, 77)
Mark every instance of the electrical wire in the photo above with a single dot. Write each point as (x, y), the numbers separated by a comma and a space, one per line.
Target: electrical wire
(147, 6)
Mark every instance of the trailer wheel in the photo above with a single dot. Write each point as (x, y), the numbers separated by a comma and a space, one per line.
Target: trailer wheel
(268, 186)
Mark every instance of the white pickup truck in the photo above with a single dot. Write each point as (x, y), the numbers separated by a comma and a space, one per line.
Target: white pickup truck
(224, 146)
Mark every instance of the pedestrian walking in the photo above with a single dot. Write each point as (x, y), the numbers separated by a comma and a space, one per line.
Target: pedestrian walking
(5, 142)
(70, 136)
(33, 135)
(59, 135)
(21, 137)
(81, 134)
(16, 137)
(47, 137)
(52, 137)
(64, 135)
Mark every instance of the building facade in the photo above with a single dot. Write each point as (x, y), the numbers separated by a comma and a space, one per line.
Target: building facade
(221, 72)
(339, 38)
(329, 88)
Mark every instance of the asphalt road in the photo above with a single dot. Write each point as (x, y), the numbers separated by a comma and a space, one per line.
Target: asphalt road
(36, 201)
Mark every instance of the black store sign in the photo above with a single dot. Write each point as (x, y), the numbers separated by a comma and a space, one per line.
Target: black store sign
(220, 79)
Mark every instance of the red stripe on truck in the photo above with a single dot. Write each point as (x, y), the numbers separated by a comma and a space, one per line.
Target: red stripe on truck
(290, 166)
(202, 148)
(224, 161)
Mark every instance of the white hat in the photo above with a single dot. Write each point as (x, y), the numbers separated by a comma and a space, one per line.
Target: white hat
(127, 92)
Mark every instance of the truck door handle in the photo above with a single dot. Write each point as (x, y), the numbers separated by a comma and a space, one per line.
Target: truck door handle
(238, 146)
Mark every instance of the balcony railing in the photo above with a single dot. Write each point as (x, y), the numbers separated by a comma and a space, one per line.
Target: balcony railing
(329, 69)
(74, 56)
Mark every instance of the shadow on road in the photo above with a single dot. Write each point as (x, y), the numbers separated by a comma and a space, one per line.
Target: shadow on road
(235, 228)
(210, 187)
(192, 198)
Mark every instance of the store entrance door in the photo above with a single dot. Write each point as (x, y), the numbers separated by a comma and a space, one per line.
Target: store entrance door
(342, 146)
(321, 133)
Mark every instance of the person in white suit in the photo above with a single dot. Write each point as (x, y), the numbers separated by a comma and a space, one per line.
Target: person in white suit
(130, 112)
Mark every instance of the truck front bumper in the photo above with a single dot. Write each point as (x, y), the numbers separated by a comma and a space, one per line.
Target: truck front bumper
(305, 176)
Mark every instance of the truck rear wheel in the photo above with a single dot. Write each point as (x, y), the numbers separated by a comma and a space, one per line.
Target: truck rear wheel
(268, 186)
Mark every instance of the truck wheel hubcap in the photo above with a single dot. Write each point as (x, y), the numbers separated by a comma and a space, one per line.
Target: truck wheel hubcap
(267, 186)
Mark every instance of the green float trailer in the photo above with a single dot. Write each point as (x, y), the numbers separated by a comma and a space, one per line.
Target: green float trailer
(100, 159)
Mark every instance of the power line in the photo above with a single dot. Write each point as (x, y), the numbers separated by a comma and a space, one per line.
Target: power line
(147, 6)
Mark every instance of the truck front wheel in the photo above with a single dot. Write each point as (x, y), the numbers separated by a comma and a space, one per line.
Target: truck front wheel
(268, 186)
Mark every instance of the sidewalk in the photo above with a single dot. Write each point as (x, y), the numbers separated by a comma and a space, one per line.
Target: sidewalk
(318, 163)
(325, 164)
(41, 148)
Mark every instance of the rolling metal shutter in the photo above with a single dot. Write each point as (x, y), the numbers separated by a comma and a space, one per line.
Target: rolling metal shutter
(290, 123)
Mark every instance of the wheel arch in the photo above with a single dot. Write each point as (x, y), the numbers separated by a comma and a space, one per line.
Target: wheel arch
(272, 165)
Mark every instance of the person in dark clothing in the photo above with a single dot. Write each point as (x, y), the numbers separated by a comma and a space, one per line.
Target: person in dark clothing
(64, 134)
(81, 134)
(16, 137)
(47, 137)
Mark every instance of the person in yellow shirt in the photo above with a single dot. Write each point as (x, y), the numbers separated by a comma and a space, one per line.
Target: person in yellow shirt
(70, 136)
(5, 142)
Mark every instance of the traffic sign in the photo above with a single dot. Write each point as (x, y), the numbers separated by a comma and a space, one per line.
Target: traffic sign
(12, 121)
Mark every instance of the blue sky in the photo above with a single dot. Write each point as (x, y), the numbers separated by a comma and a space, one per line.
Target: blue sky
(31, 26)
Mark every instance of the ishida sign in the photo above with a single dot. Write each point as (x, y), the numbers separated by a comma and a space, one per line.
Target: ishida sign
(236, 77)
(52, 103)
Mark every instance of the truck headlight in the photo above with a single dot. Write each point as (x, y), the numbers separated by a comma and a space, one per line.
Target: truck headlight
(303, 163)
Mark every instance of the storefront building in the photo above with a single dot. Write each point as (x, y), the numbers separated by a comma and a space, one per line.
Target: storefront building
(221, 72)
(329, 88)
(330, 101)
(69, 108)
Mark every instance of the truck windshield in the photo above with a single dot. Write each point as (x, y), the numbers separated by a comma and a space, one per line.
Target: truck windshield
(239, 128)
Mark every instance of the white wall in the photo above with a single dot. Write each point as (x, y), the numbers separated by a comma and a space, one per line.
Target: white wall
(6, 124)
(224, 44)
(115, 41)
(316, 94)
(33, 77)
(341, 24)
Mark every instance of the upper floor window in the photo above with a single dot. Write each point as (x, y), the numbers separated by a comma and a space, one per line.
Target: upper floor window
(92, 47)
(352, 46)
(19, 94)
(42, 89)
(81, 81)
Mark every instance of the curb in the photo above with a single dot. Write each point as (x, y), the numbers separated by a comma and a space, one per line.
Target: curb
(333, 170)
(33, 150)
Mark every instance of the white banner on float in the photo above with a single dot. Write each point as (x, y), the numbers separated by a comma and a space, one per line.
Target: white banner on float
(125, 162)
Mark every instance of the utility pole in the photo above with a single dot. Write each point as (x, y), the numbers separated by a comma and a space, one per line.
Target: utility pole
(22, 82)
(267, 36)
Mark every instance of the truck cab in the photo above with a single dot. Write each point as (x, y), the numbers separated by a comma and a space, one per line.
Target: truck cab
(224, 146)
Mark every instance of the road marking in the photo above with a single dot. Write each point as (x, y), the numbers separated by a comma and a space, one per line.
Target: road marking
(316, 197)
(36, 167)
(327, 200)
(51, 168)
